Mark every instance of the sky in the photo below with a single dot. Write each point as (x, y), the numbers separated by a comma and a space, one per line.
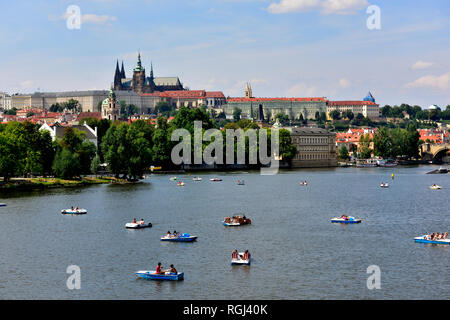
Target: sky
(284, 48)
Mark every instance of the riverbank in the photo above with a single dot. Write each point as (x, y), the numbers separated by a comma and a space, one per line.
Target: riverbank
(43, 183)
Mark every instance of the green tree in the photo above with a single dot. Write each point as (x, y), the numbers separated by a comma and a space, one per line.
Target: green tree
(66, 164)
(95, 165)
(343, 153)
(364, 146)
(237, 114)
(335, 115)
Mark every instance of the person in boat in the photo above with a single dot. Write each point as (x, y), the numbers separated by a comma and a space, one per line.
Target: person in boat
(437, 236)
(246, 255)
(175, 234)
(134, 220)
(432, 236)
(159, 269)
(227, 219)
(168, 234)
(344, 217)
(234, 255)
(71, 208)
(444, 236)
(172, 269)
(141, 222)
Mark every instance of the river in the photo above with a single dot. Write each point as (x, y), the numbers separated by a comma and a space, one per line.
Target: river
(297, 253)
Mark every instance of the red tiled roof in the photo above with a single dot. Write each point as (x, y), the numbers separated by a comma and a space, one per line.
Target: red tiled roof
(84, 115)
(275, 99)
(350, 103)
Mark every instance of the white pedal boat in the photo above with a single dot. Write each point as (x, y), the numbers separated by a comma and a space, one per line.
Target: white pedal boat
(74, 211)
(435, 187)
(240, 261)
(423, 239)
(384, 185)
(180, 184)
(132, 225)
(197, 179)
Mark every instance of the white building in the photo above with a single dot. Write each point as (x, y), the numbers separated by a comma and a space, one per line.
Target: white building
(57, 131)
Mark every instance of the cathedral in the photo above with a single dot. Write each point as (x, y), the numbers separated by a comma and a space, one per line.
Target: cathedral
(139, 83)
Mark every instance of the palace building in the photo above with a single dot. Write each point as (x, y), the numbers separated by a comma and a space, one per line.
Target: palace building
(140, 83)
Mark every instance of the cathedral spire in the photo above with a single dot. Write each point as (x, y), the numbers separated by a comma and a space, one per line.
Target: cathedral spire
(117, 81)
(139, 64)
(122, 72)
(151, 69)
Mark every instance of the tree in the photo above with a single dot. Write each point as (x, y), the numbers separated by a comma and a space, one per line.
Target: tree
(95, 164)
(287, 148)
(364, 146)
(382, 143)
(237, 114)
(335, 115)
(343, 153)
(66, 164)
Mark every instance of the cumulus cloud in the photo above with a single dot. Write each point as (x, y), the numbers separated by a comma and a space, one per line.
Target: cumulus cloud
(438, 82)
(344, 83)
(323, 6)
(421, 65)
(302, 90)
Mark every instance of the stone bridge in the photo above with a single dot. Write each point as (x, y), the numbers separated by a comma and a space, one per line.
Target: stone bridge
(435, 152)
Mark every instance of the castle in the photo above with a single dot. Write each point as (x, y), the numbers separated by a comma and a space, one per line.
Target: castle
(139, 83)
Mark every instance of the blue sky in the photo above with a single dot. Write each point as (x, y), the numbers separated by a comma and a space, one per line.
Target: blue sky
(283, 47)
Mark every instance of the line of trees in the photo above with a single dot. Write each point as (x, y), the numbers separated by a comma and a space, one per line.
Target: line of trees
(415, 112)
(398, 142)
(128, 149)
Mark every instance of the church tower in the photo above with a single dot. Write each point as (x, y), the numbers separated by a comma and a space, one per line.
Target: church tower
(139, 76)
(248, 91)
(110, 107)
(117, 78)
(122, 72)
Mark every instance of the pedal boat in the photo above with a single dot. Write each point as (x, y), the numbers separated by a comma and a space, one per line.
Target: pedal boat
(435, 187)
(215, 179)
(197, 179)
(152, 275)
(180, 184)
(349, 220)
(240, 261)
(230, 222)
(132, 225)
(184, 237)
(2, 204)
(70, 211)
(423, 239)
(384, 185)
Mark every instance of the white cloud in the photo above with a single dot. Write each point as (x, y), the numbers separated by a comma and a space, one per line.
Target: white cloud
(421, 65)
(344, 83)
(87, 18)
(439, 82)
(301, 90)
(26, 84)
(97, 19)
(324, 6)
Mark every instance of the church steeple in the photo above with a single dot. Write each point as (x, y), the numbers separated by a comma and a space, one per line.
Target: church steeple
(151, 70)
(117, 78)
(122, 72)
(139, 67)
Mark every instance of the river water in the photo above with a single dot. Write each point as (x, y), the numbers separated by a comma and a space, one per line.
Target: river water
(297, 253)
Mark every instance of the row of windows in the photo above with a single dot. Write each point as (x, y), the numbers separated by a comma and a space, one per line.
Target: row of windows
(310, 140)
(313, 148)
(318, 156)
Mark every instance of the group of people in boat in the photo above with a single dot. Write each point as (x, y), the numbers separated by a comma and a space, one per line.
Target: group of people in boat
(384, 184)
(236, 256)
(237, 219)
(140, 222)
(175, 234)
(435, 185)
(345, 217)
(76, 209)
(436, 236)
(171, 270)
(241, 182)
(303, 183)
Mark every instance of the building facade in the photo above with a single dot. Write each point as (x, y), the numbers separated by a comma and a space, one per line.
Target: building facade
(5, 101)
(315, 147)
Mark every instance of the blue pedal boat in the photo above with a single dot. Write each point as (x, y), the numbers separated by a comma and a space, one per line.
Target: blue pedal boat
(184, 237)
(423, 239)
(2, 204)
(349, 220)
(152, 275)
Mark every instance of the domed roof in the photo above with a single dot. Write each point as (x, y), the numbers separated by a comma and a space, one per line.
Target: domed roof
(433, 107)
(369, 97)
